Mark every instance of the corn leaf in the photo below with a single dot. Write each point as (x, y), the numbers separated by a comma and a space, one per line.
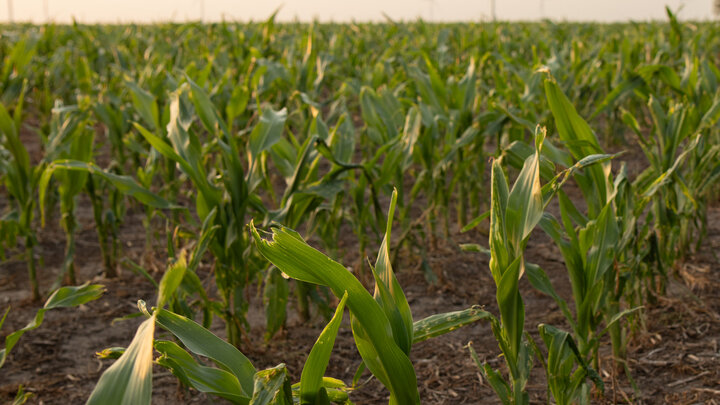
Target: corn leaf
(501, 388)
(525, 201)
(266, 133)
(124, 184)
(2, 320)
(171, 280)
(204, 379)
(440, 324)
(203, 342)
(540, 280)
(577, 136)
(272, 386)
(311, 379)
(145, 104)
(129, 380)
(206, 110)
(499, 246)
(21, 397)
(388, 292)
(64, 297)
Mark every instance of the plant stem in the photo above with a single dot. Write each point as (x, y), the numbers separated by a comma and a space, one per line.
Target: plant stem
(69, 264)
(301, 292)
(30, 256)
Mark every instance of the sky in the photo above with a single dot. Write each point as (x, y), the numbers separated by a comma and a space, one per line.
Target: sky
(146, 11)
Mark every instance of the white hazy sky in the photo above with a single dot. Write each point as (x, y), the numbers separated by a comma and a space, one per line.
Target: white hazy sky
(115, 11)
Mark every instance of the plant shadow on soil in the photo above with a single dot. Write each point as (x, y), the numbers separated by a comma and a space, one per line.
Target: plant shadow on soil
(673, 359)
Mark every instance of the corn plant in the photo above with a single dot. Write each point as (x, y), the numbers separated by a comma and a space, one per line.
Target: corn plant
(382, 326)
(21, 397)
(146, 106)
(69, 138)
(662, 210)
(20, 178)
(308, 195)
(678, 149)
(514, 213)
(589, 253)
(185, 151)
(635, 261)
(589, 241)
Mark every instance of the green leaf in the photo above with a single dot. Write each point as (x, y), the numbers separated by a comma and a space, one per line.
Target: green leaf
(615, 318)
(575, 132)
(145, 104)
(313, 371)
(2, 320)
(388, 292)
(207, 232)
(112, 352)
(129, 380)
(125, 184)
(171, 280)
(561, 346)
(203, 342)
(475, 222)
(21, 397)
(204, 379)
(516, 154)
(272, 386)
(600, 242)
(64, 297)
(499, 246)
(475, 247)
(500, 386)
(139, 270)
(712, 115)
(525, 201)
(440, 324)
(332, 390)
(625, 87)
(167, 150)
(666, 176)
(186, 152)
(206, 110)
(266, 133)
(512, 310)
(571, 127)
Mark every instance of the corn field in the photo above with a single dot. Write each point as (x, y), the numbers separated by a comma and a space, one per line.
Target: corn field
(256, 213)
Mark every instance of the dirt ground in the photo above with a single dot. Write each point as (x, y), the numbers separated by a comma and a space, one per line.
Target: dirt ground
(675, 359)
